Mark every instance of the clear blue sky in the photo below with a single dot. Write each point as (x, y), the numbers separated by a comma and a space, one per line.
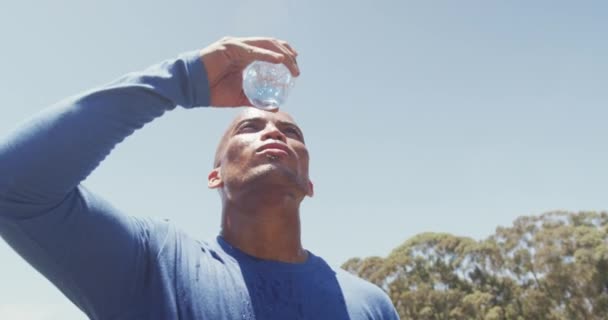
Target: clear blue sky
(446, 116)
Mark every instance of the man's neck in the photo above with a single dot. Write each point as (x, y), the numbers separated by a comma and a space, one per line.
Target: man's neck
(265, 228)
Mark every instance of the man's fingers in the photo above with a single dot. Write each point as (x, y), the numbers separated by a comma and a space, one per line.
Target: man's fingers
(225, 60)
(266, 42)
(279, 47)
(290, 62)
(286, 45)
(257, 53)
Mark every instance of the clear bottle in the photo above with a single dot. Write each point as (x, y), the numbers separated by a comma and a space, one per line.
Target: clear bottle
(267, 85)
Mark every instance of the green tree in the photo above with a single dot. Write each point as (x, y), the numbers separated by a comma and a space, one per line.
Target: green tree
(552, 266)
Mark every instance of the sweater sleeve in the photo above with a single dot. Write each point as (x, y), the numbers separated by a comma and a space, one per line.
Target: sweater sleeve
(96, 255)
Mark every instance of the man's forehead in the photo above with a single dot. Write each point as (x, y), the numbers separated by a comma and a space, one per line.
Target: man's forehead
(251, 113)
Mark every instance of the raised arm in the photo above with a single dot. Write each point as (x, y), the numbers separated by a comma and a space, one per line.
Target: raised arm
(89, 250)
(92, 252)
(48, 156)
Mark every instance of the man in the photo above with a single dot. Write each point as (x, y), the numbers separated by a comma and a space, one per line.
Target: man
(115, 266)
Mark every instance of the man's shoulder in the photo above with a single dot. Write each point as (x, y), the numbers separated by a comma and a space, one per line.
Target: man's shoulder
(360, 286)
(366, 297)
(350, 283)
(162, 235)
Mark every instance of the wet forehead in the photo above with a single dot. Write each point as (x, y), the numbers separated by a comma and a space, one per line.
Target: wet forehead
(250, 113)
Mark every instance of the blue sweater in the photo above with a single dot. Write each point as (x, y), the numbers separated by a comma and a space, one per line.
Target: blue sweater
(116, 266)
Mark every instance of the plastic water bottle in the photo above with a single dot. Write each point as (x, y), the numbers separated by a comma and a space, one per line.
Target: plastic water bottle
(267, 85)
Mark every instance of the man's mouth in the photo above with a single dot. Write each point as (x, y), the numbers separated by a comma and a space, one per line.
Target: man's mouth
(274, 149)
(271, 157)
(274, 152)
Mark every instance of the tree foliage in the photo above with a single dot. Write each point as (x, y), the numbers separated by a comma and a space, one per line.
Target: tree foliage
(552, 266)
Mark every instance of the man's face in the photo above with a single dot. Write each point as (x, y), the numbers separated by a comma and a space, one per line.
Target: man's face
(262, 150)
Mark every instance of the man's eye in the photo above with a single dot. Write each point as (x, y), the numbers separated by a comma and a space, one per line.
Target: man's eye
(292, 131)
(247, 127)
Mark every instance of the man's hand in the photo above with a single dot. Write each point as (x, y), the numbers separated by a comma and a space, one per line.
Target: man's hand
(226, 59)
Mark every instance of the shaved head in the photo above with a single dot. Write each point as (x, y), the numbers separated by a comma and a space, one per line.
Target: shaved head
(244, 114)
(261, 150)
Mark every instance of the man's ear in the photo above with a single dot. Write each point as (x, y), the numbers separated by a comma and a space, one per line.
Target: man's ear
(311, 189)
(214, 180)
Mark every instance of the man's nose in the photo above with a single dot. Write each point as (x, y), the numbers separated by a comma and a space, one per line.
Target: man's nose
(272, 132)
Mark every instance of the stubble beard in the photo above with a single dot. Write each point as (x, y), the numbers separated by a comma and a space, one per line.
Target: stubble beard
(272, 177)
